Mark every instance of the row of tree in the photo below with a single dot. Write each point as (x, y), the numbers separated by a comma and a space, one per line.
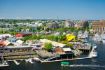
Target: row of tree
(50, 37)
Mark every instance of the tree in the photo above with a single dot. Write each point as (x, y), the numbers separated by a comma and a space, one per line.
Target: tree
(69, 45)
(86, 25)
(61, 37)
(48, 46)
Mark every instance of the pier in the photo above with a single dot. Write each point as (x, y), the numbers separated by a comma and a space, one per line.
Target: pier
(81, 65)
(17, 63)
(4, 64)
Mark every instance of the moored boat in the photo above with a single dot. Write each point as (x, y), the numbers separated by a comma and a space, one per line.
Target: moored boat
(103, 38)
(71, 57)
(4, 64)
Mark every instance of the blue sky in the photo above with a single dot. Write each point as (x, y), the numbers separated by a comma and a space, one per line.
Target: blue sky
(53, 9)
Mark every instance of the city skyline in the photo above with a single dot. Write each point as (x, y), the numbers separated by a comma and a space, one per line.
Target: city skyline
(52, 9)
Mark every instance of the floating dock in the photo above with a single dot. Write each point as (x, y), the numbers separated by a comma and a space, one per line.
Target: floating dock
(82, 65)
(17, 63)
(65, 59)
(4, 64)
(29, 60)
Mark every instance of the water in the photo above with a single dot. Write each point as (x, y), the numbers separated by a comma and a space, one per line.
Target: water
(86, 64)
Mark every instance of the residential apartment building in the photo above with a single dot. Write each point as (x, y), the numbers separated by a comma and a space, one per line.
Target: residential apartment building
(98, 26)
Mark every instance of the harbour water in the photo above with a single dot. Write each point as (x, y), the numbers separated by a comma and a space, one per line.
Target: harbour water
(97, 63)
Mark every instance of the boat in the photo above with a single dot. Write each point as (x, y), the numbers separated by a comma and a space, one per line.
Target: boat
(103, 41)
(93, 53)
(85, 34)
(17, 63)
(97, 38)
(103, 38)
(4, 64)
(64, 63)
(26, 60)
(29, 60)
(82, 35)
(36, 59)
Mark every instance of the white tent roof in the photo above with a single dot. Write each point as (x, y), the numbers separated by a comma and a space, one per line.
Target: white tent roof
(66, 49)
(52, 42)
(19, 41)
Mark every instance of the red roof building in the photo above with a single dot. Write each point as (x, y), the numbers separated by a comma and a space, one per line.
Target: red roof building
(4, 43)
(19, 35)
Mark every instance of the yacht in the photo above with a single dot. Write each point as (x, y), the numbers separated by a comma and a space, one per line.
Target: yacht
(30, 60)
(103, 38)
(93, 52)
(4, 64)
(97, 38)
(83, 34)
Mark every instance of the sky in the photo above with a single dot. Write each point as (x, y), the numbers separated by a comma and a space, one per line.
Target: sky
(52, 9)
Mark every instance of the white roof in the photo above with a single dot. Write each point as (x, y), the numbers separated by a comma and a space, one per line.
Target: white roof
(66, 49)
(17, 46)
(19, 41)
(52, 42)
(3, 35)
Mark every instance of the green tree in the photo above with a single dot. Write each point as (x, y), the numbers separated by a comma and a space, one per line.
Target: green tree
(69, 45)
(48, 46)
(85, 25)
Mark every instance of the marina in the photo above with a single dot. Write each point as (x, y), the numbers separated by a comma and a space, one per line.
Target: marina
(70, 48)
(96, 63)
(52, 34)
(32, 53)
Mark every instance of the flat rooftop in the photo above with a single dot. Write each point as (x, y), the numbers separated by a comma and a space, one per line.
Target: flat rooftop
(18, 46)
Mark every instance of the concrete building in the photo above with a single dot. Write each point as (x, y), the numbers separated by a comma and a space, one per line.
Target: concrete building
(82, 24)
(53, 25)
(69, 23)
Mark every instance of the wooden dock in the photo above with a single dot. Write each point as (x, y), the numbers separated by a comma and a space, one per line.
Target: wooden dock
(4, 64)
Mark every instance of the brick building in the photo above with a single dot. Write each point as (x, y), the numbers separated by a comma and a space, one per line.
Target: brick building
(98, 26)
